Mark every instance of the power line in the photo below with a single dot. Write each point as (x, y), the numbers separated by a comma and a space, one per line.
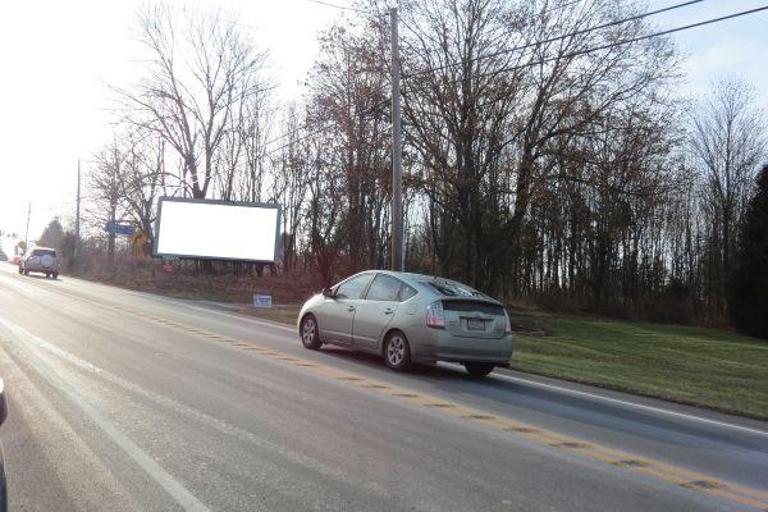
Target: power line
(322, 128)
(337, 6)
(617, 43)
(559, 37)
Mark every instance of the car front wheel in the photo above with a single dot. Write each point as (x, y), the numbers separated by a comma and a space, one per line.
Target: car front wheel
(478, 369)
(310, 334)
(397, 352)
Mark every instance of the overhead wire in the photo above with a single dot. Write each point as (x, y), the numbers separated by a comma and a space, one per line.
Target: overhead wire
(320, 129)
(344, 7)
(614, 44)
(557, 38)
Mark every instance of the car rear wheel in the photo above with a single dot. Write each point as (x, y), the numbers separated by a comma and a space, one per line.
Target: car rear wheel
(310, 334)
(55, 275)
(479, 369)
(26, 272)
(21, 270)
(397, 352)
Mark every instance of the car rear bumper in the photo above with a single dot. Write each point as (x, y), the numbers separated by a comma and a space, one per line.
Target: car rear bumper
(443, 346)
(40, 268)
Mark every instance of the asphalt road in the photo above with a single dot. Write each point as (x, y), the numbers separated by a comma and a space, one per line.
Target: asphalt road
(127, 401)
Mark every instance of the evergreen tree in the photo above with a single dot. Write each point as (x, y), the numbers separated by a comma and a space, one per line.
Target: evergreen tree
(749, 287)
(52, 235)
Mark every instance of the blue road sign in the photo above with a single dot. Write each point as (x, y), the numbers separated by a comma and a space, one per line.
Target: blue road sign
(118, 229)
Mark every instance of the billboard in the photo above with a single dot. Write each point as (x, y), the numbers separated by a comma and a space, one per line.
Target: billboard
(208, 229)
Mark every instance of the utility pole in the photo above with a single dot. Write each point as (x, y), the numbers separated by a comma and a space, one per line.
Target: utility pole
(76, 248)
(397, 152)
(26, 233)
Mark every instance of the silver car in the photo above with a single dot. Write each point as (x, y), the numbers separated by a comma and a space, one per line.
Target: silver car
(43, 260)
(410, 318)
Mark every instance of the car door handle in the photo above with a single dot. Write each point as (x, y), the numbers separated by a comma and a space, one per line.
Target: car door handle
(389, 311)
(350, 308)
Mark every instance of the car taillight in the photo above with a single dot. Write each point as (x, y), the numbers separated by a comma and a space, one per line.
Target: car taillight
(435, 316)
(508, 328)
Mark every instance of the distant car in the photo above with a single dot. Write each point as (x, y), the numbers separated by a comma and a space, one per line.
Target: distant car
(3, 256)
(409, 318)
(41, 259)
(16, 260)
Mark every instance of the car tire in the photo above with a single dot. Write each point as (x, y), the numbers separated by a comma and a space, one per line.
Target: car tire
(310, 333)
(397, 351)
(26, 272)
(479, 369)
(55, 275)
(21, 270)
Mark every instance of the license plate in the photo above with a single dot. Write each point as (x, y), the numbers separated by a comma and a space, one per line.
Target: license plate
(475, 324)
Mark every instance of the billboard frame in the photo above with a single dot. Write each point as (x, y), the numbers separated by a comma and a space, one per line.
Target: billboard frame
(273, 206)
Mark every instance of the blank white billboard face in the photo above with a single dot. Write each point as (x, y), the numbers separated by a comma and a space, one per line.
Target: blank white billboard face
(211, 230)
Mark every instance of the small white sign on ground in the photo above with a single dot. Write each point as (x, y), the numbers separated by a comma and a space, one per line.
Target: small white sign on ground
(262, 300)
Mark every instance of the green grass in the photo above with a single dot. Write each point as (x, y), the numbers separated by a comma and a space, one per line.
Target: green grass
(714, 368)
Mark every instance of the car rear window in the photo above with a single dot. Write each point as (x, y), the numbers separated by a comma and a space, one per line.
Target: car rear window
(453, 289)
(44, 252)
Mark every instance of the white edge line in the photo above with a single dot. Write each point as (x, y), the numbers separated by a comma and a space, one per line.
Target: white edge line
(631, 404)
(173, 487)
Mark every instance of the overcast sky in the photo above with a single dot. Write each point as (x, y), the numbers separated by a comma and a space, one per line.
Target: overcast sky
(57, 56)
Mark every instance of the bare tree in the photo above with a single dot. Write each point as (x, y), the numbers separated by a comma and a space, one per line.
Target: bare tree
(106, 185)
(201, 71)
(727, 142)
(293, 169)
(347, 113)
(142, 179)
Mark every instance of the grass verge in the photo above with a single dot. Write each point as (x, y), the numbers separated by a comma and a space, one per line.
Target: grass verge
(713, 368)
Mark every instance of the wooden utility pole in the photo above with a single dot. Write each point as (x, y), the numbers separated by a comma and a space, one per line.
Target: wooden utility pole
(76, 248)
(398, 260)
(26, 233)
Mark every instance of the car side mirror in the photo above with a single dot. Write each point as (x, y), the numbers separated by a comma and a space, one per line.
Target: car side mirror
(327, 292)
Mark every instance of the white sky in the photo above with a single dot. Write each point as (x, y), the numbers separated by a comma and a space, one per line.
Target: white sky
(57, 56)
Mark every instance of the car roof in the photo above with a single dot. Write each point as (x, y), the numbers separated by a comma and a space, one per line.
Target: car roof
(414, 278)
(411, 277)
